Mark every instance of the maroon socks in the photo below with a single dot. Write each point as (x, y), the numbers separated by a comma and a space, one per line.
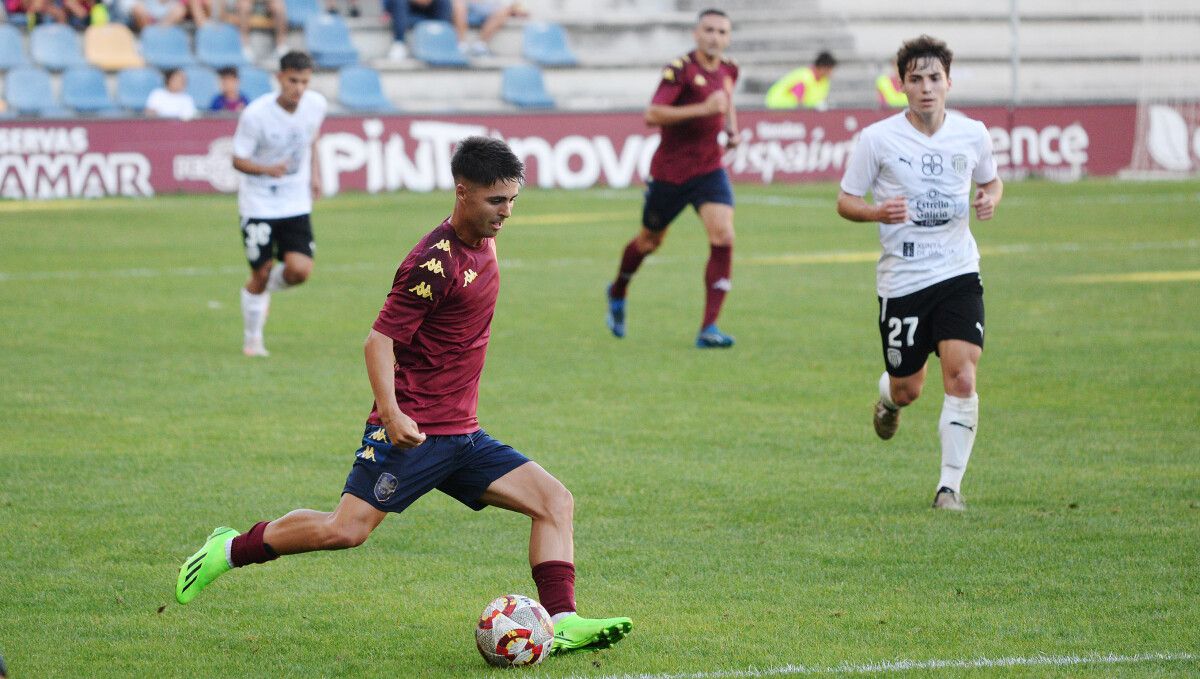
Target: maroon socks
(631, 259)
(717, 281)
(556, 586)
(249, 547)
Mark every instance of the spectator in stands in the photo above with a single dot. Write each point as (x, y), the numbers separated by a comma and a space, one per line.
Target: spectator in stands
(408, 13)
(279, 23)
(487, 17)
(172, 101)
(806, 87)
(351, 11)
(890, 89)
(34, 11)
(73, 12)
(230, 98)
(142, 13)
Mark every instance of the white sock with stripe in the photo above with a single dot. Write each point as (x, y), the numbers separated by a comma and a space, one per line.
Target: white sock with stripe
(956, 428)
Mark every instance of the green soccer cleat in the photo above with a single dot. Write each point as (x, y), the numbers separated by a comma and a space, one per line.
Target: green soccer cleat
(204, 566)
(574, 633)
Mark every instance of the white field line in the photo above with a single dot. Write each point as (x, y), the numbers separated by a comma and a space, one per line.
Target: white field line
(826, 257)
(922, 665)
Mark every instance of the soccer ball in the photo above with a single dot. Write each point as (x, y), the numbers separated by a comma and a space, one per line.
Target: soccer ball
(514, 630)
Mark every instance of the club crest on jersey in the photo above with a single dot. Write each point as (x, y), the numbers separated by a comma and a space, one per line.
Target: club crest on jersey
(700, 80)
(668, 75)
(385, 487)
(443, 245)
(894, 357)
(422, 290)
(959, 162)
(434, 265)
(469, 277)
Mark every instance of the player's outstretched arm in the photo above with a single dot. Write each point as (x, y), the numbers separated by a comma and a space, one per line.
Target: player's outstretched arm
(987, 197)
(856, 209)
(247, 166)
(381, 362)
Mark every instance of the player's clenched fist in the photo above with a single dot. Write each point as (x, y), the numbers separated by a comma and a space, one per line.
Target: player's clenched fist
(894, 210)
(984, 206)
(718, 102)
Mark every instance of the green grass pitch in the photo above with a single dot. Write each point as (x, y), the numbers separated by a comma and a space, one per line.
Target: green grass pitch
(736, 504)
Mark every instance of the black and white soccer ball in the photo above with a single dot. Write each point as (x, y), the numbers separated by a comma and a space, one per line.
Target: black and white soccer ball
(514, 630)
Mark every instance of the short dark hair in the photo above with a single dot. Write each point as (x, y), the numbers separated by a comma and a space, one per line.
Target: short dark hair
(825, 59)
(920, 48)
(711, 11)
(170, 72)
(296, 61)
(485, 161)
(227, 72)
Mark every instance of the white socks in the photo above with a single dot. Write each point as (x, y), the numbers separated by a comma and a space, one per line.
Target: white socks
(275, 279)
(957, 431)
(254, 314)
(885, 391)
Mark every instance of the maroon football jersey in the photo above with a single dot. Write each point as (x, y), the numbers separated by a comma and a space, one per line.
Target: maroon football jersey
(439, 315)
(690, 149)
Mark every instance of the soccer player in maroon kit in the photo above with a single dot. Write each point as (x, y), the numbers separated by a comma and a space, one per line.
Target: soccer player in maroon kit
(693, 106)
(424, 356)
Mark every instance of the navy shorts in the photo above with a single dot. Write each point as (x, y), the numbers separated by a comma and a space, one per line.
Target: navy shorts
(267, 239)
(911, 326)
(460, 465)
(665, 201)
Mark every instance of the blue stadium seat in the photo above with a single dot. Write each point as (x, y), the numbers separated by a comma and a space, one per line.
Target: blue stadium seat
(202, 85)
(12, 51)
(522, 85)
(218, 45)
(435, 43)
(328, 41)
(56, 46)
(255, 82)
(28, 92)
(298, 11)
(359, 89)
(134, 86)
(166, 47)
(85, 90)
(546, 44)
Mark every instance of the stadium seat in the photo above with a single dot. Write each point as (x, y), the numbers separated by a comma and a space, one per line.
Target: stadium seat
(298, 11)
(28, 92)
(166, 47)
(546, 44)
(255, 82)
(134, 86)
(12, 51)
(522, 85)
(202, 85)
(435, 43)
(359, 89)
(328, 41)
(85, 89)
(111, 47)
(56, 47)
(219, 45)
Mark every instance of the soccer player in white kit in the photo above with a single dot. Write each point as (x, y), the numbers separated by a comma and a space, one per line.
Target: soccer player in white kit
(275, 150)
(919, 165)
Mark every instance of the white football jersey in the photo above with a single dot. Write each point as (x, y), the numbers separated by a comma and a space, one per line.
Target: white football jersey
(934, 174)
(268, 135)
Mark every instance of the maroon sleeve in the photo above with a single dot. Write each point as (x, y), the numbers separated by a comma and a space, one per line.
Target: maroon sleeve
(670, 87)
(421, 283)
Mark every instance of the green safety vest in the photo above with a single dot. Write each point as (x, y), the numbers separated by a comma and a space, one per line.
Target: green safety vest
(781, 94)
(888, 94)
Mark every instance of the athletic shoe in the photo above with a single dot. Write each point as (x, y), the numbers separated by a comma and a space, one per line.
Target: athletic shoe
(887, 421)
(204, 566)
(712, 338)
(616, 314)
(948, 499)
(255, 348)
(397, 52)
(574, 633)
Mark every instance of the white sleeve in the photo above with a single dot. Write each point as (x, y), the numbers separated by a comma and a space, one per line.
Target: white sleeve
(862, 167)
(985, 169)
(245, 139)
(154, 101)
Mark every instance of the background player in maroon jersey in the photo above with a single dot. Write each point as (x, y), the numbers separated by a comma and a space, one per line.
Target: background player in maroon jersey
(693, 105)
(424, 356)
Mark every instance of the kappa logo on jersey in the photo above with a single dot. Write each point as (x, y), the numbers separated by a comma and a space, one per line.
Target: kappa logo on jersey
(469, 277)
(422, 290)
(700, 80)
(678, 63)
(668, 75)
(434, 265)
(379, 434)
(959, 162)
(367, 453)
(443, 245)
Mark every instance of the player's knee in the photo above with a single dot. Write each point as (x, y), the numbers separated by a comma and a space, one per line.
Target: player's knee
(649, 242)
(961, 384)
(904, 394)
(296, 277)
(558, 504)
